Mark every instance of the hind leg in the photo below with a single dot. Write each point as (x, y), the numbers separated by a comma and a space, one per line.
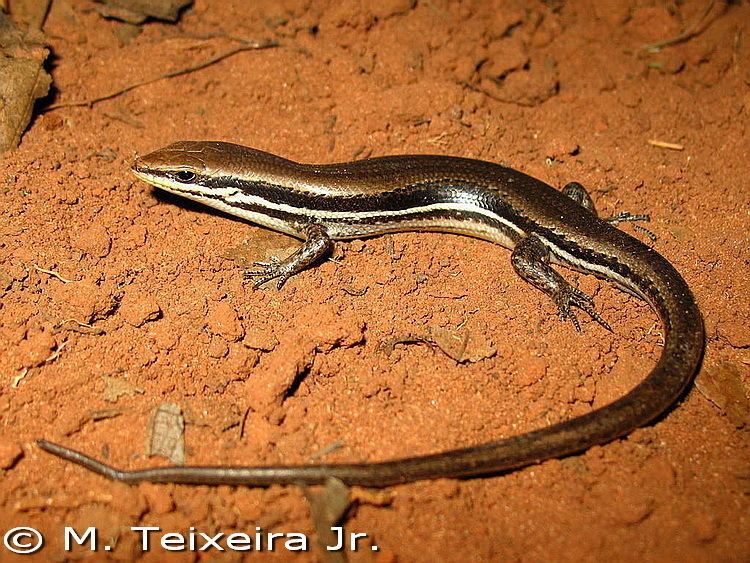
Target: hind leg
(530, 260)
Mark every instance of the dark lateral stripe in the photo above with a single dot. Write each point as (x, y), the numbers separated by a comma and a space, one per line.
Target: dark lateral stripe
(415, 195)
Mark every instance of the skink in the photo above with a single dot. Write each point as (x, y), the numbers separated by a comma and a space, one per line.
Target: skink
(321, 203)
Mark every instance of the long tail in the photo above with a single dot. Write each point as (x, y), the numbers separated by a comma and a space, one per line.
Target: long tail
(674, 371)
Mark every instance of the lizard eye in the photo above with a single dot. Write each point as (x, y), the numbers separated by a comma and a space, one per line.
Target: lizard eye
(185, 176)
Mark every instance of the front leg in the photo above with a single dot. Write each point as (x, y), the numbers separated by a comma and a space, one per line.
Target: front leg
(581, 196)
(317, 244)
(530, 259)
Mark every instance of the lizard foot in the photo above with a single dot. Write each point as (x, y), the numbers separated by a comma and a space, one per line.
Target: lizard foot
(569, 297)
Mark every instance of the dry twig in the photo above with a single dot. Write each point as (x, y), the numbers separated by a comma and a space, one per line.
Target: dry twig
(689, 33)
(53, 274)
(245, 46)
(666, 145)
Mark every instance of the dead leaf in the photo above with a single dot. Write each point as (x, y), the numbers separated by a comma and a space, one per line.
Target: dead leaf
(166, 433)
(30, 12)
(722, 385)
(327, 508)
(23, 79)
(260, 246)
(116, 387)
(136, 11)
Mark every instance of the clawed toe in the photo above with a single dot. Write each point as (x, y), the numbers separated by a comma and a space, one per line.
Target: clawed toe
(565, 312)
(573, 297)
(626, 217)
(267, 271)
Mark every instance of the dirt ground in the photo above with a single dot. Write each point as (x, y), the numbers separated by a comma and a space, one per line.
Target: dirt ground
(115, 299)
